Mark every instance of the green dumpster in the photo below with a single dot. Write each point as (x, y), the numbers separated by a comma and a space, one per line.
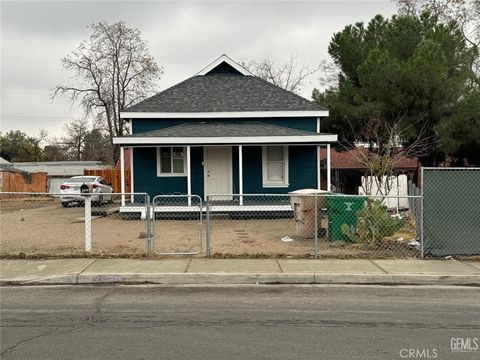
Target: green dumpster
(342, 209)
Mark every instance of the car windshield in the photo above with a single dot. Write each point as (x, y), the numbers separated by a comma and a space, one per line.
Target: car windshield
(80, 180)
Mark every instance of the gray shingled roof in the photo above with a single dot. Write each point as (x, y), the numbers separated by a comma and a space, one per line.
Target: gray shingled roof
(201, 129)
(227, 92)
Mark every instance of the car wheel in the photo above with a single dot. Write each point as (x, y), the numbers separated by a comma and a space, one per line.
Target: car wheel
(99, 201)
(65, 204)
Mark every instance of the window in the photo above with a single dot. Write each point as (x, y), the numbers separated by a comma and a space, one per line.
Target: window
(275, 166)
(171, 161)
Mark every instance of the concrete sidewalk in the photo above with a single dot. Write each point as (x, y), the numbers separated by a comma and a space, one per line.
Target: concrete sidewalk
(239, 271)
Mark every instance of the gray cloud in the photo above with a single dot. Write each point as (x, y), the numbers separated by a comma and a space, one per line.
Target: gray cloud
(183, 37)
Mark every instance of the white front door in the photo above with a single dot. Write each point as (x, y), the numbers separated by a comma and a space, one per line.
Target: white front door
(218, 171)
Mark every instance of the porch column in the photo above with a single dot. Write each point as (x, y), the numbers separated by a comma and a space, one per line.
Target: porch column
(319, 167)
(132, 188)
(329, 173)
(319, 173)
(240, 173)
(122, 173)
(189, 178)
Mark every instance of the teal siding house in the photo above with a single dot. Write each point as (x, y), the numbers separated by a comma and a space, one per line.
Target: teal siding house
(224, 131)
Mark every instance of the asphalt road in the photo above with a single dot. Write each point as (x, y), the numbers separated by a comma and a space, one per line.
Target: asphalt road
(250, 322)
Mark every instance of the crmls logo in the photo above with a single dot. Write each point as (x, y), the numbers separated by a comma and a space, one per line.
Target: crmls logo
(418, 353)
(464, 344)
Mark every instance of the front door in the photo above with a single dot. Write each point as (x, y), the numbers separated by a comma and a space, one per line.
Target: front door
(218, 171)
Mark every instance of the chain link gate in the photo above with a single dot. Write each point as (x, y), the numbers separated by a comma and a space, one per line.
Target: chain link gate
(176, 225)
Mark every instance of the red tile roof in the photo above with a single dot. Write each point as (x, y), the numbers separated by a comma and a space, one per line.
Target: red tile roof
(353, 159)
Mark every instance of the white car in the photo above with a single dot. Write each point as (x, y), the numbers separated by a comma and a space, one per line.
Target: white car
(70, 190)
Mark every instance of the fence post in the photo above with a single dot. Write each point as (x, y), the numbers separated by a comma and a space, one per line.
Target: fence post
(88, 223)
(207, 207)
(149, 237)
(421, 213)
(316, 227)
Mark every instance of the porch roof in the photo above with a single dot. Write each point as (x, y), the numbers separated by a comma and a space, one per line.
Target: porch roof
(225, 133)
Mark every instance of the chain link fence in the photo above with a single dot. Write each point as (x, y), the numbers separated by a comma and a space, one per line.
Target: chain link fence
(41, 225)
(120, 226)
(451, 215)
(36, 224)
(177, 225)
(439, 220)
(312, 226)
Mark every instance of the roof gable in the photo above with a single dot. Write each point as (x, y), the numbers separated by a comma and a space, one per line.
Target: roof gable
(226, 90)
(223, 65)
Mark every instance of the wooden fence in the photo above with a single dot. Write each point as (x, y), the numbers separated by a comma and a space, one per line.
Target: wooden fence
(111, 176)
(23, 182)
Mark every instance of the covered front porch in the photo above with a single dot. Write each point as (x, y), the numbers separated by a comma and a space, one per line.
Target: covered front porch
(229, 161)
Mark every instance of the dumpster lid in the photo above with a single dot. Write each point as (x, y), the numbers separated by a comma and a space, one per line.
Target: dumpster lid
(309, 191)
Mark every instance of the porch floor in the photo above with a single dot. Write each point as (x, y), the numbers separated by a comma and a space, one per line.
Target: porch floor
(223, 207)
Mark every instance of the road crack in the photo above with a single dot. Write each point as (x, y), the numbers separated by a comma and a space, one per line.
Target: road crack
(11, 349)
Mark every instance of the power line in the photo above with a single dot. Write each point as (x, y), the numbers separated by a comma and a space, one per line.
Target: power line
(35, 117)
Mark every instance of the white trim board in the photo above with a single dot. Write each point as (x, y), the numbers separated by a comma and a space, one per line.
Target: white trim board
(320, 138)
(226, 59)
(212, 208)
(221, 114)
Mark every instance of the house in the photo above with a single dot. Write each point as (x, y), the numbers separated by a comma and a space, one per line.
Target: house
(224, 131)
(58, 171)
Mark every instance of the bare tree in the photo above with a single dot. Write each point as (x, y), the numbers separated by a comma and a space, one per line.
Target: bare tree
(290, 76)
(329, 73)
(112, 70)
(83, 141)
(74, 141)
(384, 150)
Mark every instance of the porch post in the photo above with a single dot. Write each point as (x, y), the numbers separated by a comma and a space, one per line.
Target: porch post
(122, 173)
(240, 173)
(132, 197)
(319, 174)
(329, 173)
(189, 178)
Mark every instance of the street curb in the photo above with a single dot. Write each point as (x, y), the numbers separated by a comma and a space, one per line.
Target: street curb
(250, 278)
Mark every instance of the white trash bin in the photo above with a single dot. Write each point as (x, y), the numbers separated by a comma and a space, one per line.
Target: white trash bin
(303, 205)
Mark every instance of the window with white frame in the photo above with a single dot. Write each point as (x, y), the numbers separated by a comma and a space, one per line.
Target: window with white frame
(171, 161)
(275, 166)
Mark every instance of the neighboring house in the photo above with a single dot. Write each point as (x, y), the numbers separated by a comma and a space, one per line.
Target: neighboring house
(58, 171)
(224, 131)
(348, 174)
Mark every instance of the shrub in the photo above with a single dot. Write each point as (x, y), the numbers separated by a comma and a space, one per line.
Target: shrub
(374, 224)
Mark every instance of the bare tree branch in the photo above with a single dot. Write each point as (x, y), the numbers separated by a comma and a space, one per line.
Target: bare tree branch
(111, 71)
(289, 76)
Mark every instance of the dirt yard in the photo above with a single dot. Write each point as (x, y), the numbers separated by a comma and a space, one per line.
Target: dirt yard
(43, 228)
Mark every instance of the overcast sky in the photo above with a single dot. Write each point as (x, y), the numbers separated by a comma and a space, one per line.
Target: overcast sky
(183, 38)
